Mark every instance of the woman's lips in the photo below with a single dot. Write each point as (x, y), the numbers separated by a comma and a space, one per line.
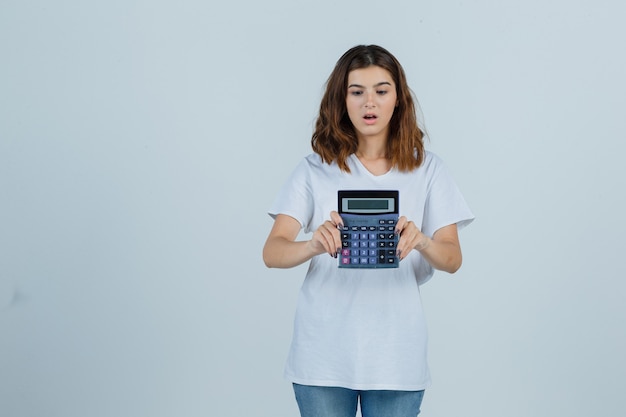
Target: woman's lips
(370, 119)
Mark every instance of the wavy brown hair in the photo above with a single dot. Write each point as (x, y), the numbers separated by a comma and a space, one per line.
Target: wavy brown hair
(334, 138)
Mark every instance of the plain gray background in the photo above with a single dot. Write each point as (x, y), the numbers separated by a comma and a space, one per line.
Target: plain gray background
(141, 143)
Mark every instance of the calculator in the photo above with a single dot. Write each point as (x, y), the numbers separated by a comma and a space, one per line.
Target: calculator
(368, 238)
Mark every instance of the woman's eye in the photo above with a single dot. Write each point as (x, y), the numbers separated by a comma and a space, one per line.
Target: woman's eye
(356, 93)
(382, 92)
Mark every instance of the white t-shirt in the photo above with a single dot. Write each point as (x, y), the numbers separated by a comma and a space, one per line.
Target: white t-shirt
(364, 329)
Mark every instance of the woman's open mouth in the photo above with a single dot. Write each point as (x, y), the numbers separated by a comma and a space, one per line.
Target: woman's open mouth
(370, 119)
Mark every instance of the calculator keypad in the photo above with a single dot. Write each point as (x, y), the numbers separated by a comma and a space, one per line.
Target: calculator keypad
(368, 242)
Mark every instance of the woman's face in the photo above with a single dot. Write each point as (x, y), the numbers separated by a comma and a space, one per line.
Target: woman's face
(371, 101)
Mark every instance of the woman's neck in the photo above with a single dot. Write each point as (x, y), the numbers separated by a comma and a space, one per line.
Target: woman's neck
(374, 158)
(371, 149)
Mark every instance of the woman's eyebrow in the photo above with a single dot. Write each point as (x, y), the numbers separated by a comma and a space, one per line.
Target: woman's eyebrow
(376, 85)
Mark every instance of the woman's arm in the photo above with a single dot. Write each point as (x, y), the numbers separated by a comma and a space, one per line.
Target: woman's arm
(443, 251)
(282, 251)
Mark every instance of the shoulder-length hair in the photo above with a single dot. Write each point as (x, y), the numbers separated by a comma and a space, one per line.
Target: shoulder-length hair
(334, 138)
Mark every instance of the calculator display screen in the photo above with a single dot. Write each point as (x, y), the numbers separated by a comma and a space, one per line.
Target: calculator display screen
(367, 205)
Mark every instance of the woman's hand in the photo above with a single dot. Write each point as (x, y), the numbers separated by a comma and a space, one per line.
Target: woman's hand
(443, 251)
(282, 251)
(327, 237)
(411, 237)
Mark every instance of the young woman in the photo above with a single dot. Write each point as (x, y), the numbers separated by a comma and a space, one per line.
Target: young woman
(359, 334)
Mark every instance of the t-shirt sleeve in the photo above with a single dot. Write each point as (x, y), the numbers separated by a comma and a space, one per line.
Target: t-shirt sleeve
(294, 197)
(445, 205)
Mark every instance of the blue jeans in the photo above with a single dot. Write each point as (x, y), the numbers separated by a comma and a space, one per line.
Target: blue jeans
(342, 402)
